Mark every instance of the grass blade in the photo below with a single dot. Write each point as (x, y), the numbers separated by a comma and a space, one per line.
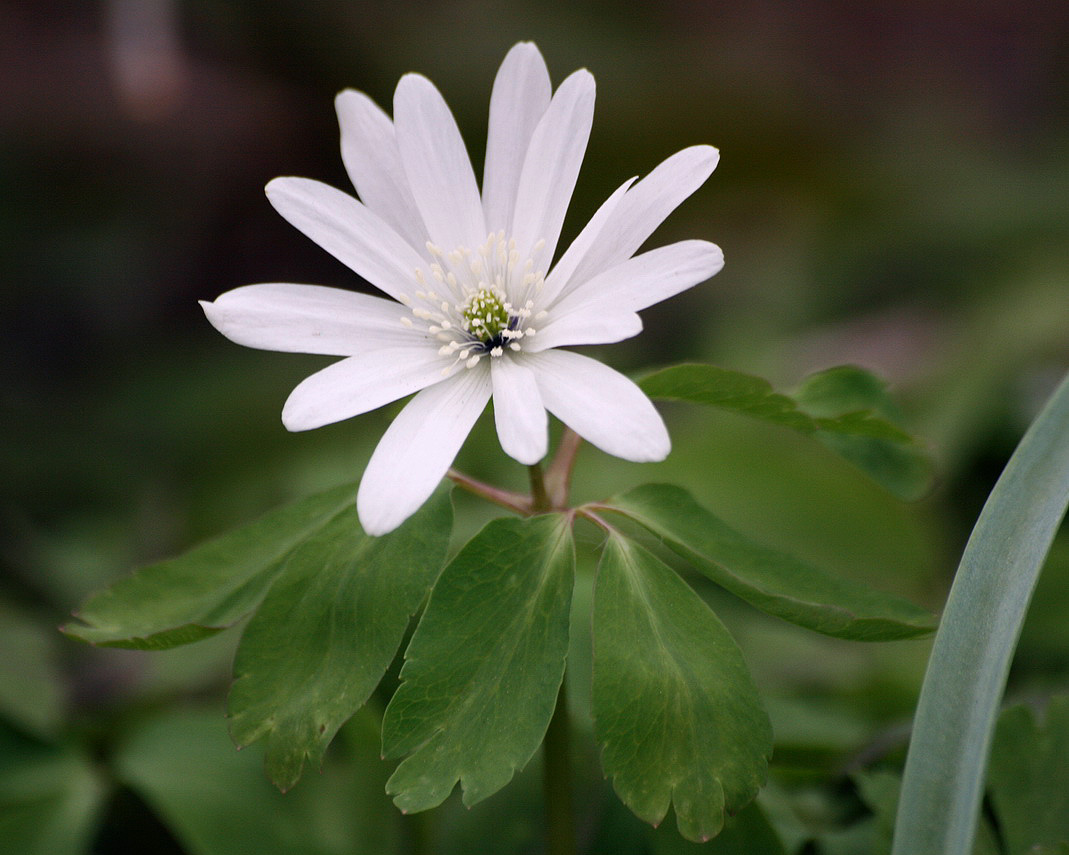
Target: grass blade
(959, 701)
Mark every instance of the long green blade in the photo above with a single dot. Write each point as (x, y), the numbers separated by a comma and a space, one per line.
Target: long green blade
(944, 772)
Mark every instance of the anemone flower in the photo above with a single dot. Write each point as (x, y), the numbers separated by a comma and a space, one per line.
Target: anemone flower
(473, 308)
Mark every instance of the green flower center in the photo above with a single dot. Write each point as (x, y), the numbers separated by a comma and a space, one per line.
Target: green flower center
(486, 315)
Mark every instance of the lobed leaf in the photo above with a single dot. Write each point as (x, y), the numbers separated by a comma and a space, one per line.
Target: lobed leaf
(845, 408)
(196, 595)
(730, 390)
(750, 832)
(676, 713)
(1028, 778)
(482, 672)
(327, 631)
(773, 581)
(855, 416)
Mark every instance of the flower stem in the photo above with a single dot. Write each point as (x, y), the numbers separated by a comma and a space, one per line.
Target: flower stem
(557, 781)
(559, 473)
(539, 496)
(517, 502)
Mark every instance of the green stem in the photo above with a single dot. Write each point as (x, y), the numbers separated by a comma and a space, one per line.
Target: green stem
(539, 496)
(557, 781)
(559, 473)
(517, 502)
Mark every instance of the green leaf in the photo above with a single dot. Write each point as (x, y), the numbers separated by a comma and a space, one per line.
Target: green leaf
(871, 835)
(216, 800)
(31, 686)
(747, 833)
(855, 415)
(1029, 778)
(773, 581)
(51, 797)
(209, 588)
(730, 390)
(675, 710)
(879, 791)
(482, 672)
(844, 408)
(959, 700)
(327, 631)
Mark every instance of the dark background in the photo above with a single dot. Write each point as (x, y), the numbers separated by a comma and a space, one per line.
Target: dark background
(893, 192)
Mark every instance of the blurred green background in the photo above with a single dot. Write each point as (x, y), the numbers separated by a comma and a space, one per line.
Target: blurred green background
(893, 192)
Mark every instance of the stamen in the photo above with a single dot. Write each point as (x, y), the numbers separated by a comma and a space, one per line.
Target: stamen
(474, 316)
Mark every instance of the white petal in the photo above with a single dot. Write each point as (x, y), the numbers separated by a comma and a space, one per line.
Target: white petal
(362, 383)
(599, 324)
(437, 165)
(520, 97)
(518, 412)
(348, 231)
(645, 279)
(645, 206)
(369, 151)
(551, 168)
(601, 405)
(307, 319)
(561, 274)
(418, 448)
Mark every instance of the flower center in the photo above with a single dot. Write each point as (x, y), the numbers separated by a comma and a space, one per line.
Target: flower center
(485, 315)
(467, 307)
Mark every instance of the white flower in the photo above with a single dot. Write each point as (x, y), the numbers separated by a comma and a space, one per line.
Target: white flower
(476, 310)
